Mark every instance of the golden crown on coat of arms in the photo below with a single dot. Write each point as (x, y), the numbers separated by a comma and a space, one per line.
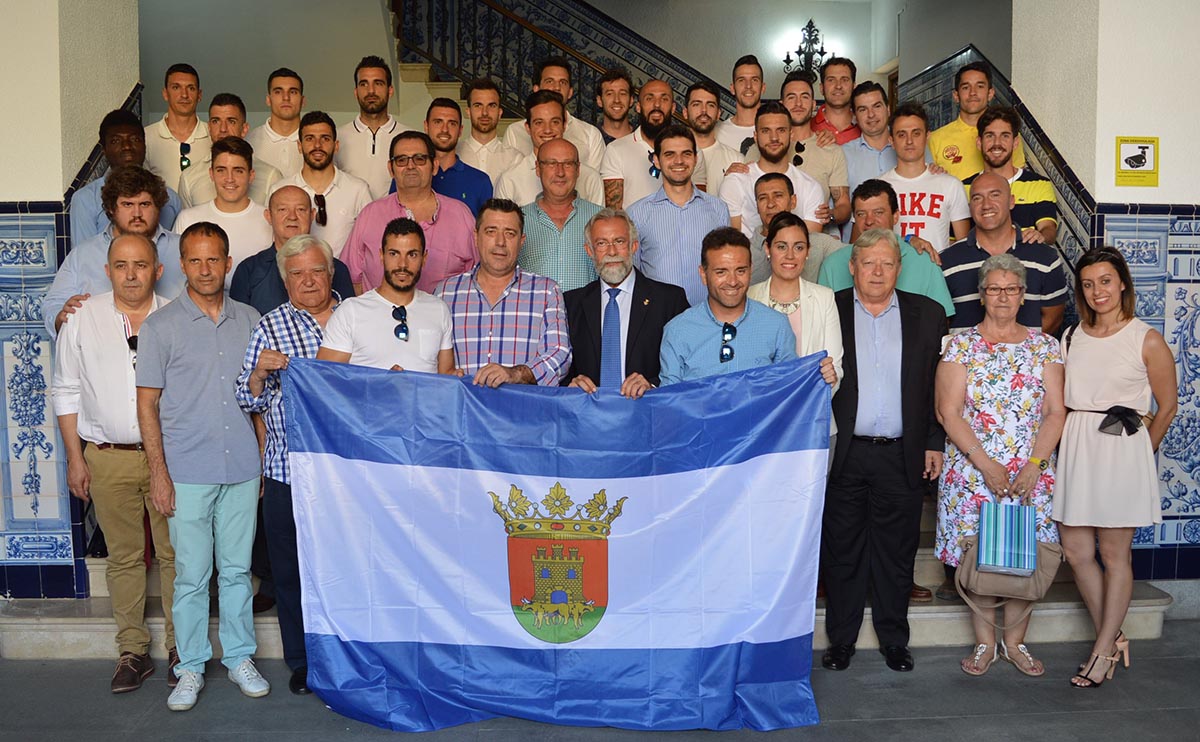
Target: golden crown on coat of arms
(524, 519)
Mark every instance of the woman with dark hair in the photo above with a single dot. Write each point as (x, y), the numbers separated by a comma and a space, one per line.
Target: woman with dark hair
(1109, 486)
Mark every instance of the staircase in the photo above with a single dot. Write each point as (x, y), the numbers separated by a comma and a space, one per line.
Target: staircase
(412, 74)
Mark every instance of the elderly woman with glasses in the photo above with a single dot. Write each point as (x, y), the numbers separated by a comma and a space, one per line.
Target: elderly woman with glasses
(1000, 398)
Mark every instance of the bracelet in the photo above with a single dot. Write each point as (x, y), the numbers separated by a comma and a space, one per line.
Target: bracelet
(973, 450)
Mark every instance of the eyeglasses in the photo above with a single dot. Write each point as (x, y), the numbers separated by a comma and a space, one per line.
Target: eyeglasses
(400, 314)
(322, 215)
(728, 333)
(618, 243)
(555, 164)
(798, 160)
(185, 162)
(654, 171)
(131, 341)
(1006, 290)
(417, 160)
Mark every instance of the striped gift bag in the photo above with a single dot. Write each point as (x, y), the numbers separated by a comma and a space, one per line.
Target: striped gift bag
(1008, 539)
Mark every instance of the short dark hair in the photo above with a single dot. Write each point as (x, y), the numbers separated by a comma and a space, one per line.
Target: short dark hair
(398, 228)
(130, 180)
(869, 86)
(875, 187)
(183, 67)
(205, 229)
(541, 98)
(228, 99)
(418, 135)
(1007, 114)
(768, 177)
(797, 76)
(444, 103)
(705, 85)
(769, 108)
(562, 62)
(312, 118)
(1113, 257)
(844, 62)
(119, 117)
(909, 108)
(504, 206)
(981, 67)
(285, 72)
(674, 131)
(612, 75)
(743, 60)
(374, 62)
(234, 146)
(782, 221)
(719, 238)
(480, 83)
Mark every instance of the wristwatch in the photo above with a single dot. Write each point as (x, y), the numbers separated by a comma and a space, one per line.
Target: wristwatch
(1041, 464)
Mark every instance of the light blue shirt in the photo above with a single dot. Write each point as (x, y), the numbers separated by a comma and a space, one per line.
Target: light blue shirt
(864, 162)
(877, 345)
(83, 272)
(670, 237)
(87, 213)
(691, 344)
(558, 253)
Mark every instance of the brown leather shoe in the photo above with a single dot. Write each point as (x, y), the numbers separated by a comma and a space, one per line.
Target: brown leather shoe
(172, 661)
(920, 594)
(131, 670)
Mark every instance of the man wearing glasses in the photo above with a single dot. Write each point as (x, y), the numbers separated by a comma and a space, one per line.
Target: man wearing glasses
(396, 326)
(725, 333)
(337, 195)
(446, 222)
(554, 223)
(180, 139)
(545, 113)
(93, 391)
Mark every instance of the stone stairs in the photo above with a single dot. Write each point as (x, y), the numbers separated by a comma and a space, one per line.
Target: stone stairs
(414, 74)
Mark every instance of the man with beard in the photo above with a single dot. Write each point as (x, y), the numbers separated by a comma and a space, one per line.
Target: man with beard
(180, 138)
(337, 195)
(825, 164)
(773, 135)
(395, 326)
(554, 75)
(702, 108)
(481, 148)
(1034, 207)
(123, 142)
(554, 223)
(953, 146)
(363, 150)
(544, 121)
(837, 84)
(454, 178)
(617, 320)
(447, 222)
(132, 199)
(614, 91)
(628, 171)
(673, 221)
(737, 131)
(276, 140)
(226, 118)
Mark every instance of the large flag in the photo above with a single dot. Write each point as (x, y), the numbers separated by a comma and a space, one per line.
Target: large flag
(547, 554)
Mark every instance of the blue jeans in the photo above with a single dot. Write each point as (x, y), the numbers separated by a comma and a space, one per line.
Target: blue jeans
(213, 519)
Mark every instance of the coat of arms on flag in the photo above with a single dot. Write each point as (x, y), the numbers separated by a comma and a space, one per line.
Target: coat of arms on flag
(557, 562)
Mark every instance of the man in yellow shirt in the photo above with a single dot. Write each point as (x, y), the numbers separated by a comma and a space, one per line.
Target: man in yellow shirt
(953, 146)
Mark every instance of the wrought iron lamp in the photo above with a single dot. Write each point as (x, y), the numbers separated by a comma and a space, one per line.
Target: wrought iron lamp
(811, 52)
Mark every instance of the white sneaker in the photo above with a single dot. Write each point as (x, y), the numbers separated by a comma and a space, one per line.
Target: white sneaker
(251, 682)
(185, 693)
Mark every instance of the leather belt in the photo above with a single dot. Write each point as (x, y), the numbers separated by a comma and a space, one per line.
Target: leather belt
(119, 446)
(875, 440)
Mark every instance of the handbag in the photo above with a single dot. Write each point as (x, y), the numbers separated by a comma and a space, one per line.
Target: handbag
(1007, 539)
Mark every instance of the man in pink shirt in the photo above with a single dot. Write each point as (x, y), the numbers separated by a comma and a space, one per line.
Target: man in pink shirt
(447, 223)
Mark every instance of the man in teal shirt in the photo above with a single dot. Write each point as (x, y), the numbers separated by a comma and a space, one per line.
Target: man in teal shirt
(875, 205)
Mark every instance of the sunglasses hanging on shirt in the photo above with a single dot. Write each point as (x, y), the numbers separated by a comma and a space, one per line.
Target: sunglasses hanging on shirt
(322, 214)
(654, 171)
(728, 333)
(798, 160)
(400, 314)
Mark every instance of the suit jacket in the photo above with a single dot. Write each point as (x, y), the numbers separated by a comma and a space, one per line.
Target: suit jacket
(654, 305)
(922, 325)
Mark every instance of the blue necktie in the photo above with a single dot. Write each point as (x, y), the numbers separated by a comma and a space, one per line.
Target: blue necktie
(610, 343)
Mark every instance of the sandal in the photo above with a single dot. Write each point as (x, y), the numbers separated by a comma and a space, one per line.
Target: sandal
(1120, 647)
(1085, 681)
(1023, 660)
(974, 664)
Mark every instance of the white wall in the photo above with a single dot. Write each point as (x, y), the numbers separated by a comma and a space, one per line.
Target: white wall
(885, 31)
(31, 164)
(931, 30)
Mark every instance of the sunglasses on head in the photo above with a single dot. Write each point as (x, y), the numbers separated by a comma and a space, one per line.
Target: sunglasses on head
(400, 314)
(728, 333)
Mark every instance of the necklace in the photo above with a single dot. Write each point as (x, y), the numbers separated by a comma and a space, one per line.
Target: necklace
(785, 307)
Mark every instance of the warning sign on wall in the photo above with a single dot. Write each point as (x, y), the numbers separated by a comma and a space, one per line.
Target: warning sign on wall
(1137, 161)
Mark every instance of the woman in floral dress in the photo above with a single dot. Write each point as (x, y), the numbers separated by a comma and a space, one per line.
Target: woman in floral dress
(1000, 399)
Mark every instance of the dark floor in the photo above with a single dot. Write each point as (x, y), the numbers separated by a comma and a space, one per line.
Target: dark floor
(1158, 698)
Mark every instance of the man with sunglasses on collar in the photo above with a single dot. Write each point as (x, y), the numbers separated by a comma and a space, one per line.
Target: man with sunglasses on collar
(180, 139)
(336, 195)
(395, 326)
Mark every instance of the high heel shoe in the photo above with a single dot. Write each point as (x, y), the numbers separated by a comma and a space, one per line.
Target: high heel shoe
(1083, 674)
(1120, 647)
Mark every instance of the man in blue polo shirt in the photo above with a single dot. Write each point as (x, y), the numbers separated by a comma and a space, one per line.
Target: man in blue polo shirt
(454, 178)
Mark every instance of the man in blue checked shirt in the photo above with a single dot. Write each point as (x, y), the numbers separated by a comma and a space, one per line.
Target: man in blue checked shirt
(292, 330)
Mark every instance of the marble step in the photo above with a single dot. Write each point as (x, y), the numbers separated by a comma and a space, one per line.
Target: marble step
(70, 629)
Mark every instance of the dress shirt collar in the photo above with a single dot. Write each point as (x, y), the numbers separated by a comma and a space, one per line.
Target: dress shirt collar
(301, 312)
(625, 287)
(894, 303)
(660, 196)
(860, 142)
(537, 204)
(199, 130)
(159, 234)
(437, 209)
(736, 323)
(194, 312)
(516, 278)
(275, 136)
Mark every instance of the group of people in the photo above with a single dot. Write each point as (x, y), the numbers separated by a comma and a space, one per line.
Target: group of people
(563, 253)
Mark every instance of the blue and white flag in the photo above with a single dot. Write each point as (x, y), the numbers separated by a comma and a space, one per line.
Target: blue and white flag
(467, 552)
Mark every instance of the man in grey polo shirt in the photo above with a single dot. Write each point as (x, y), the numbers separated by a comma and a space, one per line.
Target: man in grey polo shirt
(203, 459)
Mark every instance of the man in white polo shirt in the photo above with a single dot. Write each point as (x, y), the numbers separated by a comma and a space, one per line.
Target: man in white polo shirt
(232, 172)
(544, 122)
(396, 326)
(226, 118)
(363, 142)
(482, 148)
(180, 138)
(275, 141)
(554, 74)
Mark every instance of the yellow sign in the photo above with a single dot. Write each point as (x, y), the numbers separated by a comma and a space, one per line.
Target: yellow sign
(1137, 161)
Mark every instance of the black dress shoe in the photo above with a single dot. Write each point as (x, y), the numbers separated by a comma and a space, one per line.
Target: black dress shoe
(837, 657)
(897, 658)
(298, 684)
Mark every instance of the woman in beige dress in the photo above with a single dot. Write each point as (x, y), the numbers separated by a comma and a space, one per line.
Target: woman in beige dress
(1108, 481)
